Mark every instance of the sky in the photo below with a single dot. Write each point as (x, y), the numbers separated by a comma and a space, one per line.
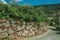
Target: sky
(35, 2)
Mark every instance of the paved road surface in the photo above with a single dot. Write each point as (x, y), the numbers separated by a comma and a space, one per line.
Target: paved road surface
(53, 35)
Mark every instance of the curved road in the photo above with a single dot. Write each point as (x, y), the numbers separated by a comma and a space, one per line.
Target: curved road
(52, 35)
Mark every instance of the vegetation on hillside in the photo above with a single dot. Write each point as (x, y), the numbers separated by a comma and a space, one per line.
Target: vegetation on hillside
(26, 13)
(52, 11)
(31, 13)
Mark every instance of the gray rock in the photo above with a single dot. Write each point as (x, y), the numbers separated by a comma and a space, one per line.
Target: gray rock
(12, 24)
(23, 26)
(3, 35)
(11, 36)
(25, 33)
(30, 35)
(10, 31)
(18, 22)
(5, 29)
(20, 33)
(2, 20)
(34, 28)
(1, 25)
(33, 33)
(8, 23)
(19, 28)
(12, 21)
(1, 30)
(29, 27)
(23, 23)
(31, 30)
(5, 25)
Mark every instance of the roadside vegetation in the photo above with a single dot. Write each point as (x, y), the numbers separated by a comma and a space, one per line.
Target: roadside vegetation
(48, 13)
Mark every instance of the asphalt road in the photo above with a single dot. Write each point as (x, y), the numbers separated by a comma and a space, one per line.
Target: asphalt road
(53, 35)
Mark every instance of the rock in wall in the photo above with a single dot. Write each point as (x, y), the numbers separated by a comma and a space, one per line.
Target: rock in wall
(15, 28)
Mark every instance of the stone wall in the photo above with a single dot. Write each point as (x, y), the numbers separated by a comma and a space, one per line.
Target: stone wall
(16, 28)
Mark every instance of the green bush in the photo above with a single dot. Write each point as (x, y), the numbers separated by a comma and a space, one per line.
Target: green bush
(26, 13)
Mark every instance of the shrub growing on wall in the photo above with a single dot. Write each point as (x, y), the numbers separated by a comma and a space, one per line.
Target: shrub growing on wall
(27, 13)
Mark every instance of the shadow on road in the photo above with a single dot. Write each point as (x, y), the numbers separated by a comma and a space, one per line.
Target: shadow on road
(54, 29)
(57, 30)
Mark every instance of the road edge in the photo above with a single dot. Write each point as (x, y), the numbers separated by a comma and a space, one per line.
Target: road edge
(38, 36)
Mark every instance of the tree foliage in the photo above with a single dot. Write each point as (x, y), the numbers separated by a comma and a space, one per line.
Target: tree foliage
(27, 13)
(30, 13)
